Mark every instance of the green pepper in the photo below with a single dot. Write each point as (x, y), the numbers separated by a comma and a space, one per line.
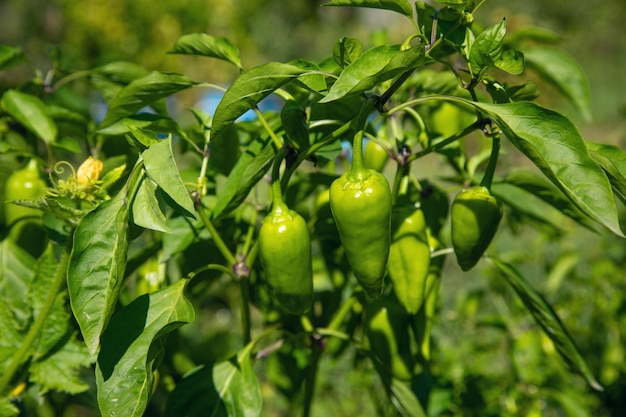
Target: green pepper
(285, 252)
(361, 204)
(409, 257)
(25, 222)
(387, 331)
(475, 217)
(375, 156)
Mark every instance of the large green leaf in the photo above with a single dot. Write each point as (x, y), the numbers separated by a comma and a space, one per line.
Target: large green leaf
(554, 145)
(96, 267)
(548, 320)
(207, 45)
(143, 92)
(132, 346)
(399, 6)
(613, 160)
(249, 170)
(161, 168)
(248, 90)
(32, 113)
(229, 388)
(374, 66)
(564, 72)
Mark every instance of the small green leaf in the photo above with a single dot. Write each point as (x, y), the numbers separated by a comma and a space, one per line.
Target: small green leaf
(249, 89)
(548, 320)
(143, 92)
(486, 52)
(399, 6)
(612, 159)
(7, 408)
(147, 121)
(564, 72)
(346, 51)
(207, 45)
(229, 388)
(250, 168)
(10, 56)
(161, 168)
(132, 346)
(30, 112)
(404, 399)
(554, 145)
(120, 72)
(96, 267)
(147, 208)
(376, 65)
(16, 276)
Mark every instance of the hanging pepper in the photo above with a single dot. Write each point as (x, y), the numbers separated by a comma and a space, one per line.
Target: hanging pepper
(285, 252)
(361, 204)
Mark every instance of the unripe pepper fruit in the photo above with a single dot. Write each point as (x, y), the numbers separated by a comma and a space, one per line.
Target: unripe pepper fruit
(25, 222)
(361, 204)
(409, 256)
(285, 252)
(375, 156)
(386, 328)
(475, 217)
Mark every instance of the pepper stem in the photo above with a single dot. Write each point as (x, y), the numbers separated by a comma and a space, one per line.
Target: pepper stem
(278, 203)
(358, 170)
(491, 165)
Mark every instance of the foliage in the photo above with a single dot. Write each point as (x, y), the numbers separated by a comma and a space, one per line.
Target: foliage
(150, 254)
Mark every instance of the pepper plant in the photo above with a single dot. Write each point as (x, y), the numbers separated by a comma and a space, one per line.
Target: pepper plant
(325, 229)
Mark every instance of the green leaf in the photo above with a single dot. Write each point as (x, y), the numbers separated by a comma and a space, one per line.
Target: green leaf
(537, 186)
(248, 90)
(61, 369)
(132, 346)
(554, 145)
(346, 51)
(405, 400)
(16, 276)
(10, 56)
(548, 320)
(486, 52)
(376, 65)
(120, 72)
(399, 6)
(96, 267)
(564, 72)
(147, 121)
(143, 92)
(148, 208)
(229, 388)
(7, 408)
(612, 159)
(207, 45)
(250, 168)
(161, 168)
(30, 112)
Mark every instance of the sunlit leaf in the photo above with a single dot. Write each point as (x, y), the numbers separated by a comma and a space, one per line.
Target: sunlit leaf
(374, 66)
(161, 168)
(487, 51)
(147, 208)
(249, 89)
(132, 347)
(30, 112)
(96, 268)
(347, 50)
(207, 45)
(554, 145)
(548, 320)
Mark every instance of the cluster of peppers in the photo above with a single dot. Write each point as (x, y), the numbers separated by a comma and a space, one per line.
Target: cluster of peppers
(381, 233)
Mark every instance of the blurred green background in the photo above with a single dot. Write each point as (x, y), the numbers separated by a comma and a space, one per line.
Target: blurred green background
(488, 350)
